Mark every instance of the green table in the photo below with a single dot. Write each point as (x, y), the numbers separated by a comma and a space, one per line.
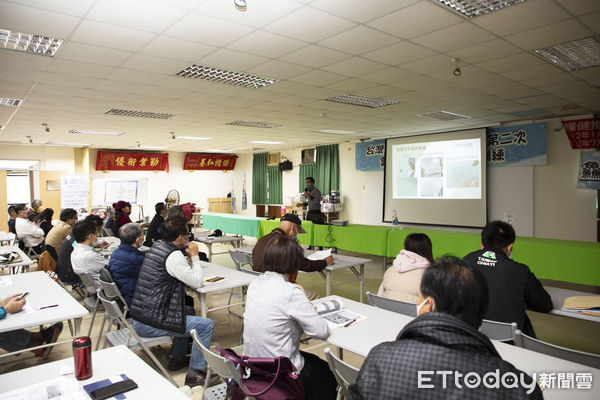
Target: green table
(366, 239)
(267, 225)
(232, 223)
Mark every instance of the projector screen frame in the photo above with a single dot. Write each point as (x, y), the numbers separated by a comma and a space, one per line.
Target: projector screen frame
(483, 177)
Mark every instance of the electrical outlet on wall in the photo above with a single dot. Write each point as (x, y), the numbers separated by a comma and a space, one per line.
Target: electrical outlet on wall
(509, 219)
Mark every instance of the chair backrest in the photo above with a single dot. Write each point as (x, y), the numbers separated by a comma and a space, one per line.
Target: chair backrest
(240, 259)
(501, 331)
(111, 307)
(88, 282)
(220, 365)
(109, 286)
(397, 306)
(580, 357)
(345, 374)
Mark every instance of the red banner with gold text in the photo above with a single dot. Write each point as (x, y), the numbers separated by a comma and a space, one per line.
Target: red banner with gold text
(115, 161)
(583, 133)
(209, 161)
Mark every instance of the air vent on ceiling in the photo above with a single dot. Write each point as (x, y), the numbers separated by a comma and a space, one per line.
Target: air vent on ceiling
(28, 43)
(141, 114)
(10, 102)
(253, 124)
(223, 76)
(443, 115)
(363, 101)
(474, 8)
(579, 54)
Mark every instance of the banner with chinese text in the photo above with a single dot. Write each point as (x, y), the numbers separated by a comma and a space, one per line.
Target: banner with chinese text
(370, 156)
(113, 161)
(515, 146)
(589, 170)
(209, 161)
(583, 133)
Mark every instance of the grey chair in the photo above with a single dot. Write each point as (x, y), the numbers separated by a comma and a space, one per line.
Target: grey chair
(397, 306)
(579, 357)
(240, 259)
(219, 365)
(112, 291)
(128, 336)
(345, 374)
(501, 331)
(91, 301)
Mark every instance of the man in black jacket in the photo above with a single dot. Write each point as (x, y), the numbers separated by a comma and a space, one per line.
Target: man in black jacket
(159, 218)
(512, 286)
(441, 354)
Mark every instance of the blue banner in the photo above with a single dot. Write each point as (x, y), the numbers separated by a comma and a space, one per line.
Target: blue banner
(519, 145)
(370, 156)
(589, 170)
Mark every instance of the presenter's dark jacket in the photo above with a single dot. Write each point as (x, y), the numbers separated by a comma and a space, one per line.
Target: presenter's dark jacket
(258, 255)
(436, 342)
(153, 234)
(512, 288)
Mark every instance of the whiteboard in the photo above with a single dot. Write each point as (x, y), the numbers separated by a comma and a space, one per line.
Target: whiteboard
(108, 191)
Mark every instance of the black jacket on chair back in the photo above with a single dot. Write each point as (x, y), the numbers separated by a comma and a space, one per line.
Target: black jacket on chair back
(159, 298)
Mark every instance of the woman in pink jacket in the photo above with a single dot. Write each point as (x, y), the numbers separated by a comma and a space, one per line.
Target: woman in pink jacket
(401, 281)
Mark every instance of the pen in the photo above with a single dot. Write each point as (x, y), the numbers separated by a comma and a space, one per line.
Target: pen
(350, 323)
(50, 306)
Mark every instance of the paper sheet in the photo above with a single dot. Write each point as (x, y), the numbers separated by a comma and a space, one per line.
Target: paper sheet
(320, 255)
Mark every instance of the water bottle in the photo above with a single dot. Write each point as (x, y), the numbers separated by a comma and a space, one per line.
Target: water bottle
(82, 354)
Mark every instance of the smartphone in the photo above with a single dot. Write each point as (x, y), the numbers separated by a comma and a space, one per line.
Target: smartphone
(23, 296)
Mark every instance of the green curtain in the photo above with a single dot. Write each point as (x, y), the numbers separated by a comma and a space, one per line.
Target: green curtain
(328, 169)
(259, 178)
(275, 190)
(306, 170)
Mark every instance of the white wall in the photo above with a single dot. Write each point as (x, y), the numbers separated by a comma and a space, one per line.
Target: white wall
(52, 158)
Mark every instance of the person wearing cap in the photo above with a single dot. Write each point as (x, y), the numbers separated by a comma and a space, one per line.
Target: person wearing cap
(290, 225)
(121, 217)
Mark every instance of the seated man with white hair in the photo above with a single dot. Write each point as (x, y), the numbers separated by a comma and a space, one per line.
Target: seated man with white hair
(126, 261)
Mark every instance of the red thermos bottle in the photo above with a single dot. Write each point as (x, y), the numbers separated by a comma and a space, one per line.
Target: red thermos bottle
(82, 354)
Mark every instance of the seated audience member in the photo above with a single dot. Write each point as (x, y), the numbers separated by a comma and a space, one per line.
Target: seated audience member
(158, 306)
(125, 262)
(401, 281)
(60, 231)
(21, 339)
(12, 215)
(277, 312)
(44, 220)
(159, 218)
(29, 233)
(64, 269)
(83, 258)
(36, 208)
(443, 338)
(176, 211)
(512, 285)
(121, 216)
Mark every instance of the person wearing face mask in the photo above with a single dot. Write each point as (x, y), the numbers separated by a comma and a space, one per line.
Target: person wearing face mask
(126, 261)
(83, 258)
(512, 286)
(433, 354)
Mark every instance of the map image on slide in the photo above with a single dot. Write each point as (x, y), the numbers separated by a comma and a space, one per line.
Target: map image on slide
(462, 174)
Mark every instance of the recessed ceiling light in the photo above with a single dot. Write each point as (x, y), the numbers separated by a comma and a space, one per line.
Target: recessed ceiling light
(91, 132)
(443, 115)
(10, 102)
(191, 138)
(254, 124)
(264, 142)
(141, 114)
(474, 8)
(28, 43)
(574, 55)
(364, 101)
(334, 131)
(223, 76)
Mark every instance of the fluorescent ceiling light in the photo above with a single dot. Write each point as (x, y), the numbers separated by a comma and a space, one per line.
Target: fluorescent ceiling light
(28, 43)
(67, 144)
(443, 115)
(218, 150)
(364, 101)
(10, 102)
(191, 138)
(334, 131)
(91, 132)
(141, 114)
(264, 142)
(254, 124)
(574, 55)
(152, 147)
(474, 8)
(223, 76)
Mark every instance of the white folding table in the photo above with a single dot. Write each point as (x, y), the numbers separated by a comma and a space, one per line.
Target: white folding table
(558, 298)
(25, 260)
(208, 241)
(43, 291)
(106, 364)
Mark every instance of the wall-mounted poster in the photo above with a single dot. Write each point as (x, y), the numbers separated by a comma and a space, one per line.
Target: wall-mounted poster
(519, 145)
(370, 156)
(589, 170)
(74, 191)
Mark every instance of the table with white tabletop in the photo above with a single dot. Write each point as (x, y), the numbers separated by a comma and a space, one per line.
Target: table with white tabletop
(382, 325)
(233, 279)
(14, 266)
(558, 298)
(106, 364)
(43, 292)
(208, 241)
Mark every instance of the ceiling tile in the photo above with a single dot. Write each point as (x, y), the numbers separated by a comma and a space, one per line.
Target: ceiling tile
(177, 49)
(454, 37)
(362, 11)
(315, 56)
(154, 64)
(278, 69)
(354, 66)
(77, 8)
(592, 21)
(550, 35)
(399, 53)
(416, 20)
(266, 44)
(511, 63)
(580, 7)
(358, 40)
(352, 85)
(79, 68)
(232, 60)
(522, 74)
(111, 36)
(207, 30)
(258, 13)
(37, 22)
(490, 50)
(323, 25)
(429, 65)
(92, 54)
(318, 78)
(136, 14)
(390, 75)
